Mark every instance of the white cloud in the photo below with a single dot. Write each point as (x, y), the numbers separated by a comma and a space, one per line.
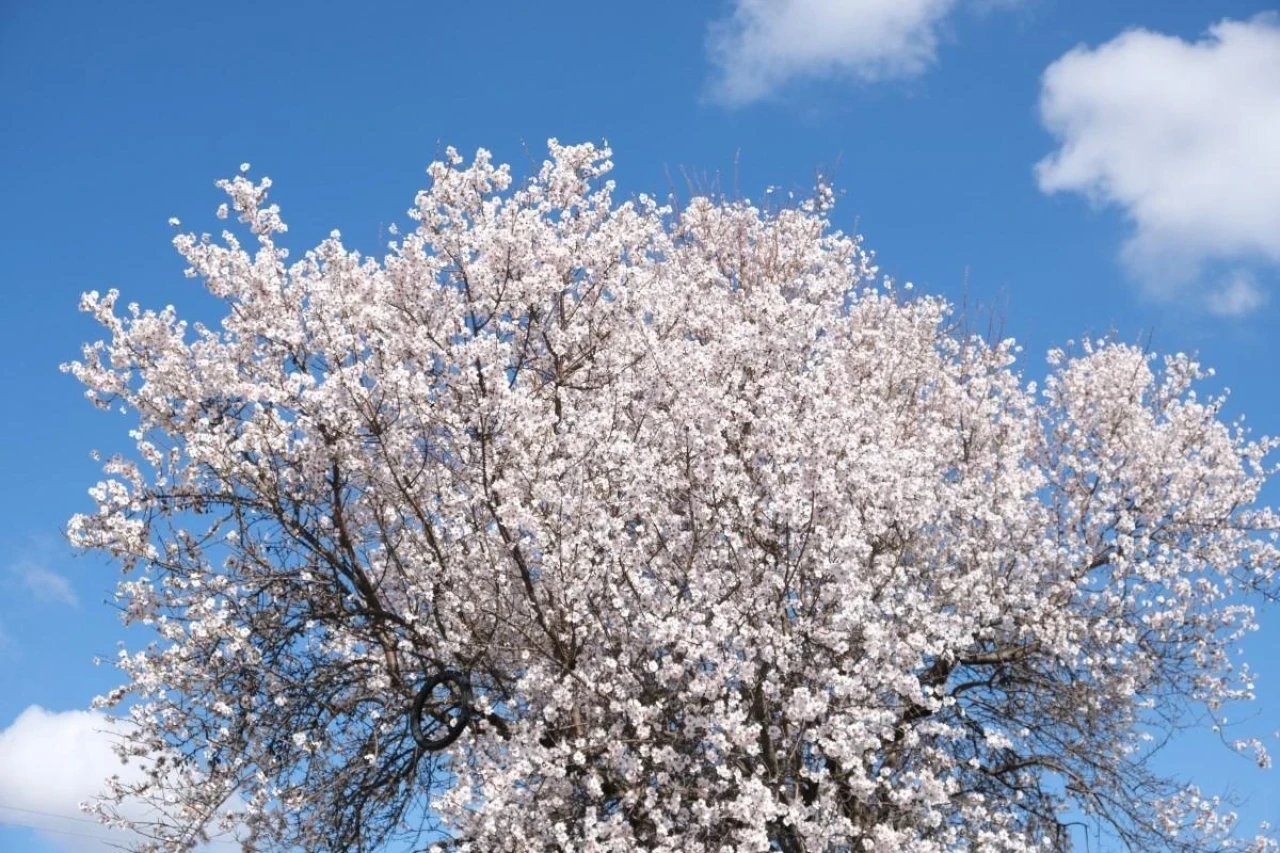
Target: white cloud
(1182, 137)
(50, 763)
(764, 44)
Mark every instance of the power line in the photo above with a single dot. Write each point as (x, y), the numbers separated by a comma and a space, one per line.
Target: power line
(49, 814)
(55, 831)
(107, 837)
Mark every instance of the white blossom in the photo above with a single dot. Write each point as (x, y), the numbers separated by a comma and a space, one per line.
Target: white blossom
(737, 549)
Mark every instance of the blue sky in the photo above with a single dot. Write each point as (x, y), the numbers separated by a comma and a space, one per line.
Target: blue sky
(1155, 210)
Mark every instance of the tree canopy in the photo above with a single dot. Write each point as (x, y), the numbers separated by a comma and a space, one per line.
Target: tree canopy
(705, 537)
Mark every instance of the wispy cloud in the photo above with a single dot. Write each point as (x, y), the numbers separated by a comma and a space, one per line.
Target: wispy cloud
(1182, 137)
(765, 44)
(41, 582)
(1236, 295)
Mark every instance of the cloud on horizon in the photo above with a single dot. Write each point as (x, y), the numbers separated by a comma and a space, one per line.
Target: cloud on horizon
(50, 762)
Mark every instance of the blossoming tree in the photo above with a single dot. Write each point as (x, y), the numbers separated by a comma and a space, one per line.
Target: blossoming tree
(704, 539)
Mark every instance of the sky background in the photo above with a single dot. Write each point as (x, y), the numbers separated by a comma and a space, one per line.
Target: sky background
(1074, 167)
